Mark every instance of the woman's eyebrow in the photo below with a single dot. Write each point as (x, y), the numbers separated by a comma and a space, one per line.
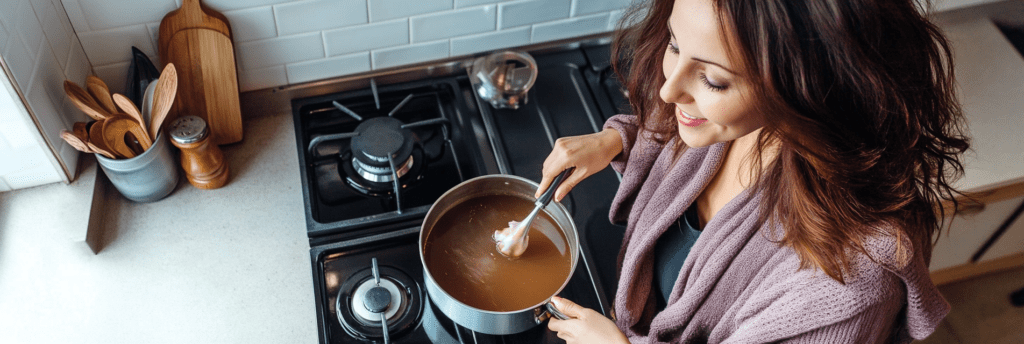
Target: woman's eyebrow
(669, 25)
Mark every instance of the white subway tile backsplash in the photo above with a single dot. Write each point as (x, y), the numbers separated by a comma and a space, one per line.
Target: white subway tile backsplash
(4, 37)
(19, 59)
(579, 26)
(450, 24)
(328, 68)
(251, 24)
(381, 10)
(490, 41)
(410, 54)
(74, 10)
(62, 14)
(278, 42)
(367, 37)
(56, 34)
(28, 28)
(107, 14)
(585, 7)
(115, 45)
(78, 67)
(46, 115)
(154, 37)
(69, 155)
(614, 18)
(230, 5)
(49, 80)
(521, 13)
(316, 15)
(9, 12)
(467, 3)
(114, 75)
(262, 78)
(279, 51)
(3, 185)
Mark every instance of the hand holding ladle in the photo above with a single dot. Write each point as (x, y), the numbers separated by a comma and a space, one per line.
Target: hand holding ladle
(512, 241)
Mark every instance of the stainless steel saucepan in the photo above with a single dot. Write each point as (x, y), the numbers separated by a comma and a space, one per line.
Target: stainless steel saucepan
(486, 321)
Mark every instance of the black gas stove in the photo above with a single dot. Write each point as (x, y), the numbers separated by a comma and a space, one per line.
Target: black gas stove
(373, 160)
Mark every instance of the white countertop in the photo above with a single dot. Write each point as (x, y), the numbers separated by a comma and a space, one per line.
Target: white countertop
(229, 265)
(232, 265)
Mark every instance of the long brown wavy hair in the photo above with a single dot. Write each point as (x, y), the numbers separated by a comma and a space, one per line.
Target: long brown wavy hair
(859, 101)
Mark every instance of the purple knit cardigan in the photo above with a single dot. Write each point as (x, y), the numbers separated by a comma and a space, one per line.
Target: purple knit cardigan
(738, 285)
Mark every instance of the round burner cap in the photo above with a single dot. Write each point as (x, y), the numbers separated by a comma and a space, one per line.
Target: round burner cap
(381, 139)
(377, 299)
(362, 308)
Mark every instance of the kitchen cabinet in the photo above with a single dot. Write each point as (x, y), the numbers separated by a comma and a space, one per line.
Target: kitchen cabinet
(1011, 242)
(970, 229)
(990, 80)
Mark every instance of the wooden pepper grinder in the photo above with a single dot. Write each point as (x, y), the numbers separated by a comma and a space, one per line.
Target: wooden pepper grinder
(202, 160)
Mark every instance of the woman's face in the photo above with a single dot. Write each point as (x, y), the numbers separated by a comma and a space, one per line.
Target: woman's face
(712, 100)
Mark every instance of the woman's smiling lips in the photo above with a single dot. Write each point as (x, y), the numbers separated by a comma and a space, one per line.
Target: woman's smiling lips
(687, 120)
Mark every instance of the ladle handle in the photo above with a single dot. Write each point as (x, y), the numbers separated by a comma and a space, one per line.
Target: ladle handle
(545, 198)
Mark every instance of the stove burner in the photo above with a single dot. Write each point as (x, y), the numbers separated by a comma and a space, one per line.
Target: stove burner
(377, 300)
(361, 302)
(369, 300)
(381, 140)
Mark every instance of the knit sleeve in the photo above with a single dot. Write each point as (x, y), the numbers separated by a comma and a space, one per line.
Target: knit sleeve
(873, 325)
(807, 306)
(627, 127)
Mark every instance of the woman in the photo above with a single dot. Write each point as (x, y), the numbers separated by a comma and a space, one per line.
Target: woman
(781, 179)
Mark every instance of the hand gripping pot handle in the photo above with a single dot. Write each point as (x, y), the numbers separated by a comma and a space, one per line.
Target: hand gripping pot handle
(548, 311)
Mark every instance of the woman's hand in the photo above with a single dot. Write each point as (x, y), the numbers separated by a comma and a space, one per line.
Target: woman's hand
(588, 153)
(584, 326)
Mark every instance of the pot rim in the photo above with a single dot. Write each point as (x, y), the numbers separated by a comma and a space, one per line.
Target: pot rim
(558, 206)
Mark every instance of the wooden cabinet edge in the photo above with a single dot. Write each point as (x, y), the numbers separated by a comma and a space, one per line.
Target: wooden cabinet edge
(975, 201)
(967, 271)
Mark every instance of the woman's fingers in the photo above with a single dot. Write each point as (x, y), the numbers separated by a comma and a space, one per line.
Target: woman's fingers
(569, 308)
(589, 154)
(568, 185)
(584, 326)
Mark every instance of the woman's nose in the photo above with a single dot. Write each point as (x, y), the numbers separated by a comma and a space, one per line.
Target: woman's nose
(674, 90)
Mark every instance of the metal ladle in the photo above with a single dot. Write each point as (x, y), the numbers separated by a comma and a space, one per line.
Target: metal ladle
(512, 241)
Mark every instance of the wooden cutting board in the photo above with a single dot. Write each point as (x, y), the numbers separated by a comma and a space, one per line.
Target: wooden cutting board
(198, 41)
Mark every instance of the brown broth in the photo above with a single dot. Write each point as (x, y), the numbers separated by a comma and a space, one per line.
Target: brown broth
(461, 255)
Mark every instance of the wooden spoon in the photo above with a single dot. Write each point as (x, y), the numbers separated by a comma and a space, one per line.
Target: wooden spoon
(96, 138)
(126, 104)
(83, 101)
(163, 97)
(100, 92)
(77, 143)
(114, 130)
(81, 129)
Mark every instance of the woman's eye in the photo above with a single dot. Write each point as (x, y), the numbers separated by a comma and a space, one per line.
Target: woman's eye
(673, 47)
(710, 85)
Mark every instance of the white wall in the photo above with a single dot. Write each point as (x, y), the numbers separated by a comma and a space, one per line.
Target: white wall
(39, 50)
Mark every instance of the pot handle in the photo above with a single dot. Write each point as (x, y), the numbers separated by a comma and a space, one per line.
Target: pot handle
(550, 307)
(548, 311)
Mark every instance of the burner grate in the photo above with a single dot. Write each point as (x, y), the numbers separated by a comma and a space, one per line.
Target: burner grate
(363, 166)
